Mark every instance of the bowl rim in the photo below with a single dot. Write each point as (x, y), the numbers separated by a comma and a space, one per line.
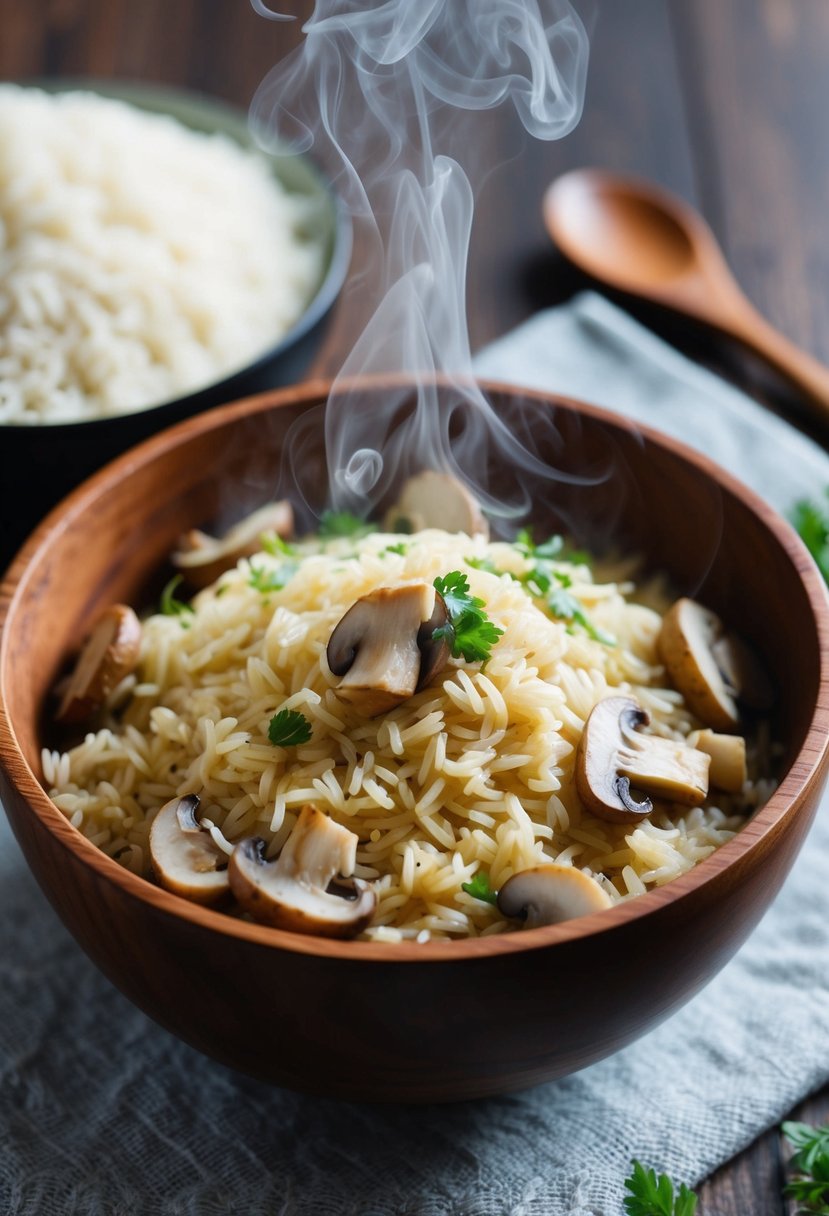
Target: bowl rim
(328, 289)
(789, 799)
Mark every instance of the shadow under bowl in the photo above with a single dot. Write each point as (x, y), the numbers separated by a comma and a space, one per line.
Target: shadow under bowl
(436, 1021)
(42, 462)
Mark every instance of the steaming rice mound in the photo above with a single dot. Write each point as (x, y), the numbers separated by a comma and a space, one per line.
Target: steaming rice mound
(139, 260)
(473, 773)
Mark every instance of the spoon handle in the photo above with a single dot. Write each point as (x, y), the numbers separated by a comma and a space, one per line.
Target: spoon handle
(805, 372)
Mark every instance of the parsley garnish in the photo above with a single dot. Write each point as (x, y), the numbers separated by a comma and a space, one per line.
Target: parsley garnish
(343, 523)
(401, 549)
(551, 548)
(483, 563)
(550, 585)
(171, 606)
(479, 888)
(811, 1161)
(652, 1196)
(289, 728)
(263, 580)
(811, 519)
(273, 543)
(469, 631)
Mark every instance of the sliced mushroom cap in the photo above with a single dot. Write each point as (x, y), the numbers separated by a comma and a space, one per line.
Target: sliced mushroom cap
(186, 859)
(437, 500)
(712, 669)
(728, 758)
(613, 755)
(202, 558)
(546, 895)
(304, 890)
(109, 653)
(384, 647)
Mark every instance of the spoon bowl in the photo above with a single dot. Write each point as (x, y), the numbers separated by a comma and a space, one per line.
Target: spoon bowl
(640, 239)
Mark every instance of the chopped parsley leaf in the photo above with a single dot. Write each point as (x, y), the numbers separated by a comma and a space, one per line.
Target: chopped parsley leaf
(479, 888)
(334, 524)
(469, 631)
(289, 728)
(171, 606)
(263, 580)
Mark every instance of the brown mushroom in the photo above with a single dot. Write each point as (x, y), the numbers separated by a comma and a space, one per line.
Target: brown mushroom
(201, 558)
(308, 888)
(613, 754)
(727, 754)
(548, 894)
(108, 655)
(437, 500)
(186, 859)
(384, 647)
(713, 669)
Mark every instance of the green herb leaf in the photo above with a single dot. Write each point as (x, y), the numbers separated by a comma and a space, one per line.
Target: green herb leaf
(334, 524)
(811, 519)
(811, 1160)
(171, 606)
(402, 549)
(479, 887)
(483, 563)
(263, 580)
(470, 632)
(654, 1196)
(289, 728)
(273, 544)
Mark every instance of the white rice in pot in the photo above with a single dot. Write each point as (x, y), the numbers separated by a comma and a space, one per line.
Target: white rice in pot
(139, 260)
(475, 773)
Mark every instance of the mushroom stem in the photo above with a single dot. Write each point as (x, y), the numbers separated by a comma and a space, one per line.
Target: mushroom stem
(613, 754)
(297, 891)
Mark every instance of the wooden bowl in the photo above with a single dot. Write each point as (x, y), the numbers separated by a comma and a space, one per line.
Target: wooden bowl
(445, 1020)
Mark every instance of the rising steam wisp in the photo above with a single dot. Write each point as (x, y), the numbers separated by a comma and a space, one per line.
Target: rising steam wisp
(383, 94)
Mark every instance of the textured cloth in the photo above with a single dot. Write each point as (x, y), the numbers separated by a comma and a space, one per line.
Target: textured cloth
(102, 1112)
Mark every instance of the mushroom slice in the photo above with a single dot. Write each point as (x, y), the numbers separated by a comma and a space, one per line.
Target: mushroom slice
(186, 859)
(109, 653)
(712, 669)
(728, 758)
(384, 647)
(202, 558)
(613, 755)
(546, 895)
(300, 891)
(437, 500)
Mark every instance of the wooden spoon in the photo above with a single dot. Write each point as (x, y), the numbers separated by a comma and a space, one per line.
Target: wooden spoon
(641, 239)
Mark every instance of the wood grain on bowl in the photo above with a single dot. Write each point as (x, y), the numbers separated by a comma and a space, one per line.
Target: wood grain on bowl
(440, 1020)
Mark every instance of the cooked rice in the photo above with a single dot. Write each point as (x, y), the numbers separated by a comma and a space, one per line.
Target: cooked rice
(139, 260)
(475, 772)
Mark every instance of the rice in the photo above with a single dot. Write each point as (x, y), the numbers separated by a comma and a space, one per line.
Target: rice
(473, 773)
(139, 260)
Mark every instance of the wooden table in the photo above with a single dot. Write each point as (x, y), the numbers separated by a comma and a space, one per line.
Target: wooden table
(725, 103)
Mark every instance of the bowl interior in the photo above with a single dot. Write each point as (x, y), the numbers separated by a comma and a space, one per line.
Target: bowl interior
(111, 539)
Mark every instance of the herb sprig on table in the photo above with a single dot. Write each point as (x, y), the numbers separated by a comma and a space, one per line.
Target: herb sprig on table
(811, 1163)
(652, 1195)
(811, 519)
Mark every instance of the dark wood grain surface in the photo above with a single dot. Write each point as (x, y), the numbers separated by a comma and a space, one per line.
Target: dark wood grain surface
(724, 103)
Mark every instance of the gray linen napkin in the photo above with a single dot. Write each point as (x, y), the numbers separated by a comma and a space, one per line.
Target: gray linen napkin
(102, 1112)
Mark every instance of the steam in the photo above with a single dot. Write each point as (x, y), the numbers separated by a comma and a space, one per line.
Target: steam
(382, 93)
